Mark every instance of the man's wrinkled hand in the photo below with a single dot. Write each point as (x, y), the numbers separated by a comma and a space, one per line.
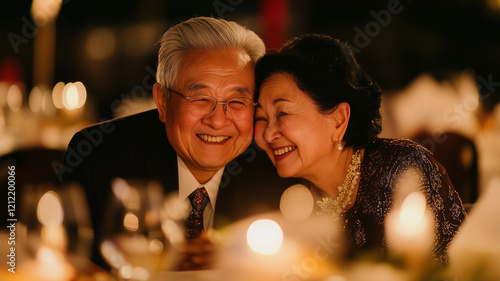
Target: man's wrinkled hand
(199, 254)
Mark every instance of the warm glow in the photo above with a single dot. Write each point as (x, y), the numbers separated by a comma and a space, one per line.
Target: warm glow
(39, 100)
(54, 237)
(265, 236)
(49, 210)
(336, 278)
(57, 95)
(128, 195)
(100, 43)
(176, 208)
(133, 256)
(297, 203)
(82, 93)
(71, 96)
(74, 95)
(409, 229)
(44, 10)
(155, 246)
(4, 88)
(14, 98)
(51, 136)
(35, 100)
(412, 211)
(131, 222)
(2, 120)
(173, 231)
(120, 188)
(51, 265)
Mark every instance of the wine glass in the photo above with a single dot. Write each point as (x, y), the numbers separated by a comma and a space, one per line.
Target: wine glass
(133, 242)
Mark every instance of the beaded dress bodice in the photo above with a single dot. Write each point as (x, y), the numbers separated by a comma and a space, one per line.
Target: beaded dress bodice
(383, 161)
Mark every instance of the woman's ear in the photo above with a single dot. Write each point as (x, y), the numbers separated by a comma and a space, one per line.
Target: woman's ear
(340, 120)
(161, 101)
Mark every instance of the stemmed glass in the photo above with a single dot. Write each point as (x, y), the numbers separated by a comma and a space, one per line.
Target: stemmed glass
(133, 241)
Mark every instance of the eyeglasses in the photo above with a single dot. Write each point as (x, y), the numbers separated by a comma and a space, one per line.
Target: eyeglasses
(204, 106)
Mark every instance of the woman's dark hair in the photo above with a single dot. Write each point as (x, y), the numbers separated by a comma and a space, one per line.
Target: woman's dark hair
(325, 69)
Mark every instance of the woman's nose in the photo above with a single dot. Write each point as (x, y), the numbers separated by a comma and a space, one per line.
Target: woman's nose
(272, 133)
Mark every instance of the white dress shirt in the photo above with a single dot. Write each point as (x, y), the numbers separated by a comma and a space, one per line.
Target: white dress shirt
(188, 184)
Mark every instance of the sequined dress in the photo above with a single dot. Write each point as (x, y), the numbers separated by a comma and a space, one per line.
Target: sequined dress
(383, 161)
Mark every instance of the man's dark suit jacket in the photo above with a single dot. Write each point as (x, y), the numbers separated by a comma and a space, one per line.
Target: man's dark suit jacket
(137, 147)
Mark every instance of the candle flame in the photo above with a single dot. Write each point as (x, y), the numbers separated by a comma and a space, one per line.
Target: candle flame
(413, 211)
(265, 236)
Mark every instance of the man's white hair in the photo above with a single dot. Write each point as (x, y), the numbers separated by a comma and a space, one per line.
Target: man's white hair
(202, 33)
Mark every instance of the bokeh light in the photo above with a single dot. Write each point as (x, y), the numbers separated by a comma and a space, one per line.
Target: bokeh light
(14, 98)
(100, 43)
(265, 236)
(49, 210)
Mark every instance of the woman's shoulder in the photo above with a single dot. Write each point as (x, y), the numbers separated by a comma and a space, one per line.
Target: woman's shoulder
(397, 153)
(397, 146)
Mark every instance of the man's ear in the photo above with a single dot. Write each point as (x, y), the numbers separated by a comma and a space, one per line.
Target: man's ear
(340, 118)
(161, 101)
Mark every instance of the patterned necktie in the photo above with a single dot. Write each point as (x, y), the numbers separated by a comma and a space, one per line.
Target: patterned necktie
(194, 223)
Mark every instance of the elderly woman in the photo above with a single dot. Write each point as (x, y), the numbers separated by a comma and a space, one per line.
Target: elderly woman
(318, 119)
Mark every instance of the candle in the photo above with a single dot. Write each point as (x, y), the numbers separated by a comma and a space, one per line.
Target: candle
(265, 237)
(48, 265)
(409, 231)
(50, 214)
(256, 248)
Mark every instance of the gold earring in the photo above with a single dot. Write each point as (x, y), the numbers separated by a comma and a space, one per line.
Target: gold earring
(339, 145)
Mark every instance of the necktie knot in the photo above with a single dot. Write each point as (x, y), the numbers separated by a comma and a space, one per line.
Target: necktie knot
(199, 199)
(194, 223)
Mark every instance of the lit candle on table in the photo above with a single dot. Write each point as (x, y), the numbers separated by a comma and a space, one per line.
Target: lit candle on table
(256, 248)
(265, 237)
(409, 231)
(50, 262)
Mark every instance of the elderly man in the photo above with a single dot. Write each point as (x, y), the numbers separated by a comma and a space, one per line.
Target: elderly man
(196, 142)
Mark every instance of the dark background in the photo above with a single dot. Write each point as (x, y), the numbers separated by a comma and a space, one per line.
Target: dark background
(436, 37)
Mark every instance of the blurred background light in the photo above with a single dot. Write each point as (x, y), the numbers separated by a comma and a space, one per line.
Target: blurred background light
(100, 43)
(74, 95)
(14, 98)
(57, 95)
(44, 10)
(49, 210)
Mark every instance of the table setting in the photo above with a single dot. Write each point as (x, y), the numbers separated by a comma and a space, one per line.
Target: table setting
(144, 236)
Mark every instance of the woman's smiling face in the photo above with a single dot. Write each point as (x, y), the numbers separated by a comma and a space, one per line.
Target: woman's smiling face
(296, 136)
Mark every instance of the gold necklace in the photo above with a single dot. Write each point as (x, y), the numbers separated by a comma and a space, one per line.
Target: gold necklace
(334, 207)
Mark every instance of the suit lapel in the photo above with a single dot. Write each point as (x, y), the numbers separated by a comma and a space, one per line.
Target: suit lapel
(161, 159)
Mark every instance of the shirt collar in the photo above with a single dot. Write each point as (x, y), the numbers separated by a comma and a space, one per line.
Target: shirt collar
(188, 183)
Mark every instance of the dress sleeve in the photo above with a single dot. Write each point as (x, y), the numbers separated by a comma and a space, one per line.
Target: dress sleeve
(442, 199)
(449, 212)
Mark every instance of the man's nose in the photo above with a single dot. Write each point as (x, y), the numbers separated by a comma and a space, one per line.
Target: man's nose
(218, 119)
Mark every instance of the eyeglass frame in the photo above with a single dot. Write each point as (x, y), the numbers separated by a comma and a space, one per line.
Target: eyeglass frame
(188, 98)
